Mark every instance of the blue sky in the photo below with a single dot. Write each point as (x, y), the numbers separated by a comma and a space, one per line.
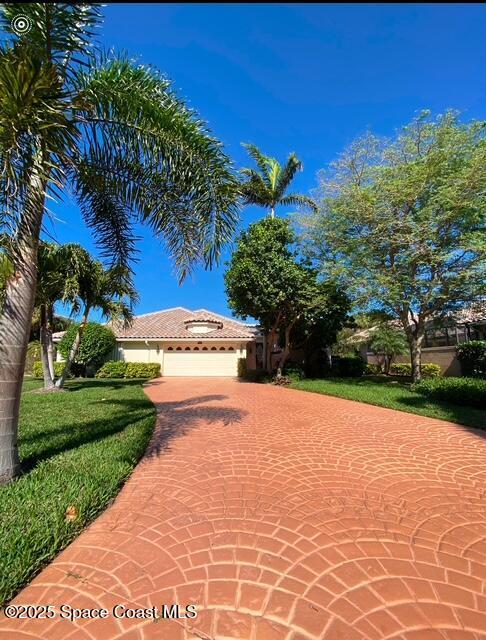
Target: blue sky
(306, 78)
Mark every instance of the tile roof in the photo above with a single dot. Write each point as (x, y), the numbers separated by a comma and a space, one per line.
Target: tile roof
(171, 323)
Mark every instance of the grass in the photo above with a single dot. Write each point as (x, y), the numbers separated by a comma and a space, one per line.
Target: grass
(77, 449)
(393, 393)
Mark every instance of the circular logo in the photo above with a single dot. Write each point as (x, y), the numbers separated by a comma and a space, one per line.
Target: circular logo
(21, 24)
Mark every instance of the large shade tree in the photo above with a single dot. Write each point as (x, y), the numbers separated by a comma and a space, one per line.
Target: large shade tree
(115, 135)
(401, 222)
(267, 186)
(268, 281)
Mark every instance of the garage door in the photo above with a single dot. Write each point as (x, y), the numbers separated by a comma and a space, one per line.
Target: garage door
(200, 363)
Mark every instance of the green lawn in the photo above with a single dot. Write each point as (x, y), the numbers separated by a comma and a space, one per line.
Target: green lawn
(393, 393)
(77, 449)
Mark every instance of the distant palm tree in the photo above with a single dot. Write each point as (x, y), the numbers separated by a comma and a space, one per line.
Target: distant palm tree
(268, 186)
(60, 268)
(115, 135)
(111, 291)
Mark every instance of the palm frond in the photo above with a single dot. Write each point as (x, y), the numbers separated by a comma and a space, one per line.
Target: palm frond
(262, 161)
(300, 200)
(58, 30)
(166, 162)
(287, 174)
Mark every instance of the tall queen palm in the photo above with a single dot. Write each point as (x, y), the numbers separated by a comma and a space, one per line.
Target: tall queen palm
(267, 186)
(112, 133)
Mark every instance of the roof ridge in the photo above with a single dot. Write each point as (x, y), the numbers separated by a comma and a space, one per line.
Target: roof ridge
(152, 313)
(220, 315)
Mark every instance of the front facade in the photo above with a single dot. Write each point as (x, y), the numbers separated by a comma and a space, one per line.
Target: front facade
(189, 343)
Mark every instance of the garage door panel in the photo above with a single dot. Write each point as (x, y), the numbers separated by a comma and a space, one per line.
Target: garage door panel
(200, 363)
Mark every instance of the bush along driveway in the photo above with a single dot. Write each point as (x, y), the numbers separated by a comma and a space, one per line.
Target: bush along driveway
(77, 448)
(281, 515)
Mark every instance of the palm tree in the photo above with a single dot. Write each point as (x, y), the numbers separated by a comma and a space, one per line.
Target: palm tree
(109, 290)
(267, 186)
(114, 134)
(59, 270)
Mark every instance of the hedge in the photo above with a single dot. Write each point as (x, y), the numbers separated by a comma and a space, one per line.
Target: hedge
(348, 366)
(33, 354)
(462, 391)
(241, 367)
(142, 370)
(112, 369)
(428, 370)
(58, 369)
(472, 356)
(118, 369)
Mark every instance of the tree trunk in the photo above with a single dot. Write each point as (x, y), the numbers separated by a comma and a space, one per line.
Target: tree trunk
(50, 343)
(16, 318)
(74, 350)
(416, 359)
(270, 339)
(414, 327)
(44, 339)
(285, 353)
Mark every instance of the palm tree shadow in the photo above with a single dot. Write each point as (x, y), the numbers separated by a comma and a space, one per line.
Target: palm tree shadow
(176, 419)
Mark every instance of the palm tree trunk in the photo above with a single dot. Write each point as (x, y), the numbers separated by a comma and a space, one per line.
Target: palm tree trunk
(50, 343)
(74, 350)
(16, 318)
(272, 212)
(44, 340)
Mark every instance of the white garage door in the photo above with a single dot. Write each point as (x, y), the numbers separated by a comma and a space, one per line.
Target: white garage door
(200, 363)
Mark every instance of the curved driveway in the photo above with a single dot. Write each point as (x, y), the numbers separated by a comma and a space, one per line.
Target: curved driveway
(282, 515)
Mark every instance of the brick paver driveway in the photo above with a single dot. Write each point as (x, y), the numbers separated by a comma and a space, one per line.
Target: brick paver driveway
(282, 515)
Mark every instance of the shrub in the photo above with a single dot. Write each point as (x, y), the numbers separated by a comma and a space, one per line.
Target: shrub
(142, 370)
(348, 367)
(428, 370)
(462, 391)
(96, 344)
(256, 375)
(33, 354)
(241, 367)
(58, 369)
(112, 369)
(293, 371)
(472, 356)
(372, 369)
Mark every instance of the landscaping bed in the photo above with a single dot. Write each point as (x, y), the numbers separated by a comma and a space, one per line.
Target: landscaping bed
(393, 393)
(77, 450)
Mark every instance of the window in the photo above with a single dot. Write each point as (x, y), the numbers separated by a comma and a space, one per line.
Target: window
(213, 349)
(179, 349)
(187, 349)
(230, 349)
(204, 348)
(170, 349)
(222, 349)
(196, 348)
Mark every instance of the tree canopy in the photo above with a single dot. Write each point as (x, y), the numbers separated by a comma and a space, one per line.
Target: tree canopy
(400, 222)
(268, 281)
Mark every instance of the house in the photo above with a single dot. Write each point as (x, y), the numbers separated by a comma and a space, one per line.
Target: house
(442, 335)
(189, 343)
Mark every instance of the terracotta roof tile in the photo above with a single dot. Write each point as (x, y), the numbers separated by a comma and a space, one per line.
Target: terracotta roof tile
(171, 323)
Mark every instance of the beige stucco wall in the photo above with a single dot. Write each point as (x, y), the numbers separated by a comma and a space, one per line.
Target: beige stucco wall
(443, 356)
(154, 351)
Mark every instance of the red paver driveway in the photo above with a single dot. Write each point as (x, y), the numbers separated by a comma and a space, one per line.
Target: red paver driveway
(282, 515)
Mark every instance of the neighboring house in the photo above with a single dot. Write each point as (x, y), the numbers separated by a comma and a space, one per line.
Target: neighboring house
(441, 337)
(188, 343)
